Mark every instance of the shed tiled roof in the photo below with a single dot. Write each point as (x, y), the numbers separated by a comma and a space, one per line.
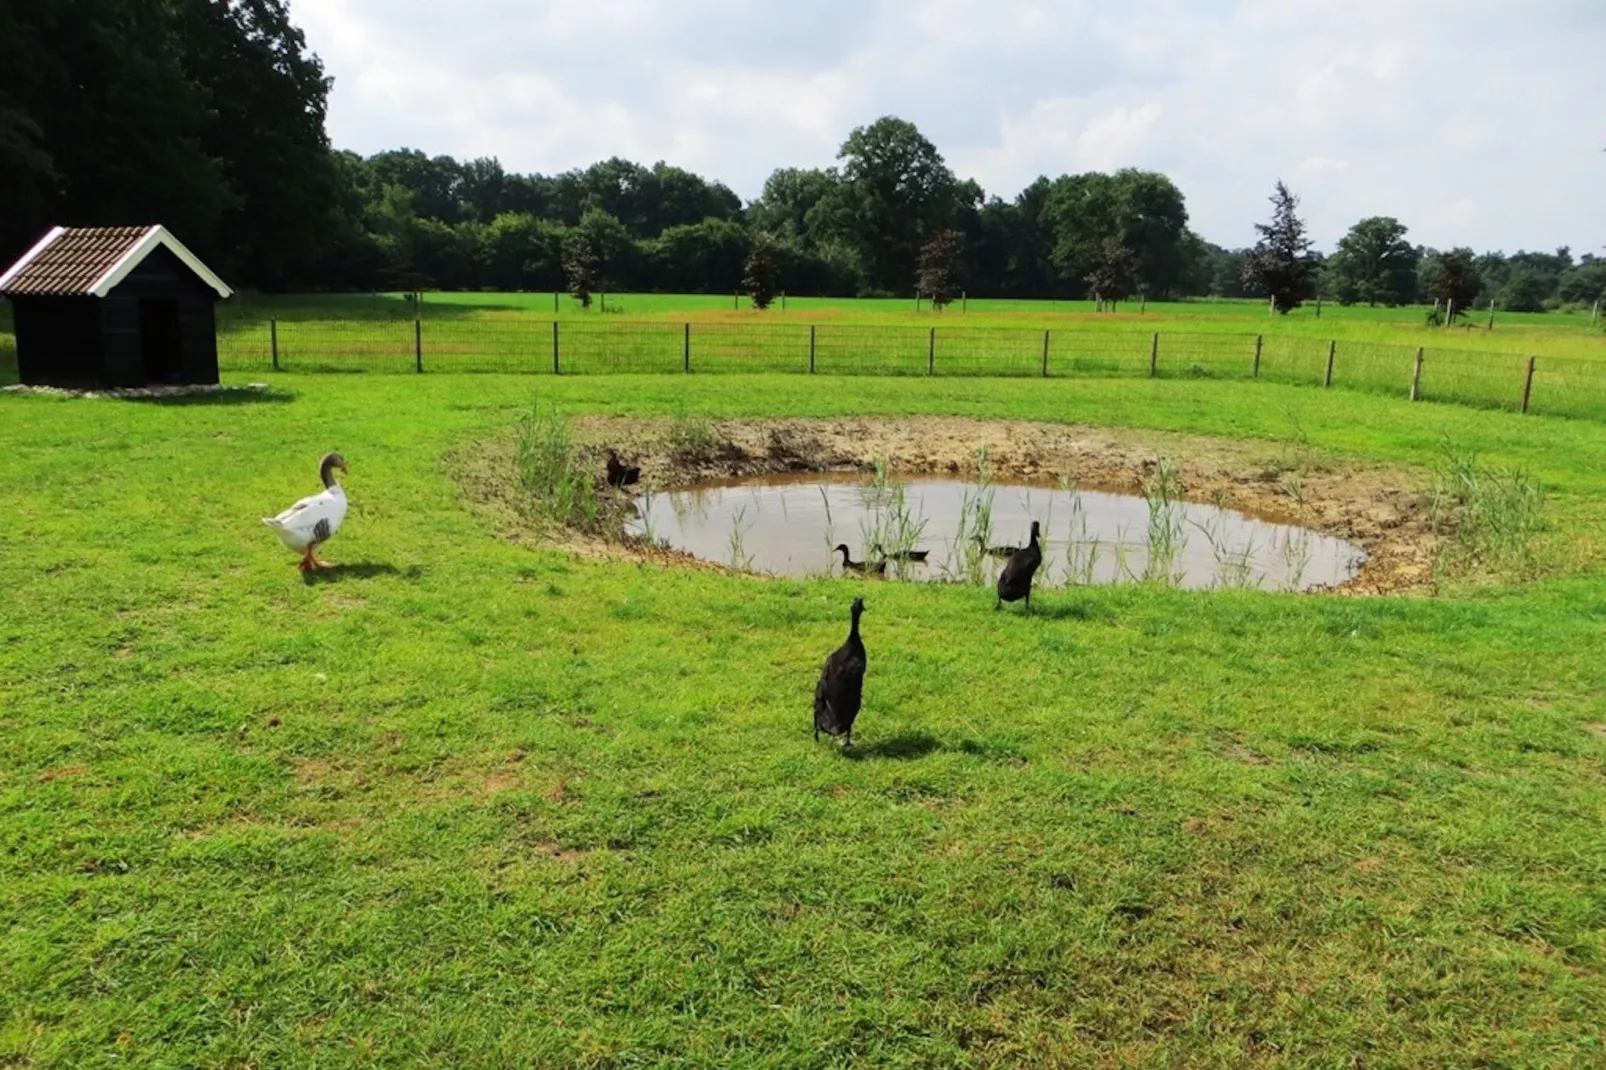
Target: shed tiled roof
(88, 261)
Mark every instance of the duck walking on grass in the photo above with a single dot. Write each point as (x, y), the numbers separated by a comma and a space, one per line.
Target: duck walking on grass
(841, 688)
(621, 474)
(878, 569)
(1015, 582)
(313, 521)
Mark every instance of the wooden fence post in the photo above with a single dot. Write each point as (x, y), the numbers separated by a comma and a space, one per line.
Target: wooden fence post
(1154, 355)
(555, 370)
(964, 302)
(1528, 384)
(1491, 313)
(1045, 354)
(1595, 313)
(811, 349)
(273, 341)
(931, 353)
(1449, 312)
(1318, 306)
(418, 346)
(1143, 303)
(685, 350)
(1332, 349)
(554, 302)
(1416, 376)
(1258, 339)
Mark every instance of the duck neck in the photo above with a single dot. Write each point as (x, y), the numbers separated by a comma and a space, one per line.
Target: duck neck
(853, 632)
(327, 471)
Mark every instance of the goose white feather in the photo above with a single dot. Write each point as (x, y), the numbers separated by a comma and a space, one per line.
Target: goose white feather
(313, 520)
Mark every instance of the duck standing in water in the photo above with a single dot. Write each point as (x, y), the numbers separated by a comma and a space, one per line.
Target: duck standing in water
(313, 521)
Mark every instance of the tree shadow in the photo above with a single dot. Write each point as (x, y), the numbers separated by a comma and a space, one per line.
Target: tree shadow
(359, 570)
(906, 746)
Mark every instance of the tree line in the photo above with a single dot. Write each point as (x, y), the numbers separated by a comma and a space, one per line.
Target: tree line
(208, 115)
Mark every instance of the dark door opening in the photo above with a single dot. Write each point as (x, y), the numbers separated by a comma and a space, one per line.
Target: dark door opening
(160, 342)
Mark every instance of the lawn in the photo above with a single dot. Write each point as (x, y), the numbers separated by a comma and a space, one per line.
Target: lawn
(1369, 349)
(481, 801)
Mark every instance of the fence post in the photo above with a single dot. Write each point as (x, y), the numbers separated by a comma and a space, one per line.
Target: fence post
(1154, 355)
(1045, 354)
(1595, 313)
(1332, 349)
(931, 353)
(685, 350)
(554, 302)
(736, 302)
(783, 300)
(1491, 313)
(418, 346)
(811, 349)
(964, 302)
(273, 341)
(1258, 339)
(1449, 312)
(1318, 306)
(1528, 384)
(1416, 376)
(555, 370)
(1143, 303)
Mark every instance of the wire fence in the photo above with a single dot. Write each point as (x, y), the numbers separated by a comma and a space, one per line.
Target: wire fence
(1561, 386)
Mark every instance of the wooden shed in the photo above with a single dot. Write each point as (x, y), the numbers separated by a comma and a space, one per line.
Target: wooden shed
(113, 306)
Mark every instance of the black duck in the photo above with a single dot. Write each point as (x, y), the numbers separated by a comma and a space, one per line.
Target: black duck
(841, 688)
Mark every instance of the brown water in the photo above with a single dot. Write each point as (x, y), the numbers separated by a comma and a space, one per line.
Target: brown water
(786, 526)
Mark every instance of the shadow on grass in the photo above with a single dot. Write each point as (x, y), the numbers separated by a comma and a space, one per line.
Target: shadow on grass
(1054, 610)
(359, 570)
(271, 396)
(903, 747)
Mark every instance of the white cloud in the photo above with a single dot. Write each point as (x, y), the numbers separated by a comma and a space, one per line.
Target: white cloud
(1472, 121)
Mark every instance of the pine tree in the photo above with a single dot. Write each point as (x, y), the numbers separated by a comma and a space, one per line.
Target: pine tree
(759, 273)
(1280, 263)
(580, 268)
(938, 274)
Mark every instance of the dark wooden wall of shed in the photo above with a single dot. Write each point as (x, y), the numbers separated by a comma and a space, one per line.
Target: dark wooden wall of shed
(58, 340)
(161, 275)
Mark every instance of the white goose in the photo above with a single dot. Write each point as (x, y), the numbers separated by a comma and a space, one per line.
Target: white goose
(314, 520)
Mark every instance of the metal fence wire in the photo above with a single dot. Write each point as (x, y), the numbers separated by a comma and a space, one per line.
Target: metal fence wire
(1564, 386)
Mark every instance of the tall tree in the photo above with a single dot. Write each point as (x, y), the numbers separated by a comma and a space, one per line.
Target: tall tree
(760, 272)
(1373, 263)
(266, 98)
(580, 269)
(938, 274)
(1453, 277)
(1114, 274)
(1280, 263)
(900, 190)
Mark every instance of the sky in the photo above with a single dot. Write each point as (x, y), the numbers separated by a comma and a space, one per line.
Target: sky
(1474, 122)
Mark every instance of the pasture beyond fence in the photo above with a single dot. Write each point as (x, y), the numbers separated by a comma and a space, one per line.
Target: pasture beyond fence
(1563, 386)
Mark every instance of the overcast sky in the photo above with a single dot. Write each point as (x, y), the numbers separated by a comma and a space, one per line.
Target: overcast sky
(1475, 122)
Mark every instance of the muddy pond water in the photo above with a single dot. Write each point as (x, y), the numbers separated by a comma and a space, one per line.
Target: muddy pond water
(787, 526)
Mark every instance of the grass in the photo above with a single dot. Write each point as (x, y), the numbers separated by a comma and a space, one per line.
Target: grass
(1372, 350)
(471, 801)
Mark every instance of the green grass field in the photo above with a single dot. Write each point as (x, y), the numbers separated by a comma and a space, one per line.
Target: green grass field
(482, 802)
(1373, 350)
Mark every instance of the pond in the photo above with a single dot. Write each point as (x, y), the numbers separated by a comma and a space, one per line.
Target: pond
(788, 526)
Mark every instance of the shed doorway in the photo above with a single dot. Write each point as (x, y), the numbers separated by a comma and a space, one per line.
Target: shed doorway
(160, 341)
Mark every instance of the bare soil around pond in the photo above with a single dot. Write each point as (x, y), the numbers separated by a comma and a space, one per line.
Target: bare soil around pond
(1383, 509)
